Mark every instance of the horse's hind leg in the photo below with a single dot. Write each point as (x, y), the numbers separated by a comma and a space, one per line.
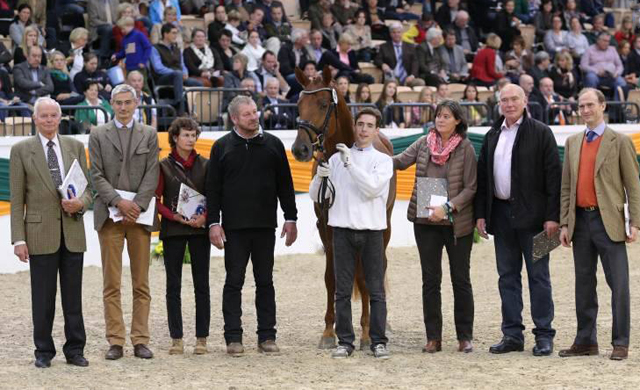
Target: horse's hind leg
(365, 339)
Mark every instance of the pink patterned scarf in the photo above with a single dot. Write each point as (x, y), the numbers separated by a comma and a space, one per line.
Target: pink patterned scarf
(440, 155)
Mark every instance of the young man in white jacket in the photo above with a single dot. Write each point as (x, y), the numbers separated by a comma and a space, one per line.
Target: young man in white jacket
(358, 218)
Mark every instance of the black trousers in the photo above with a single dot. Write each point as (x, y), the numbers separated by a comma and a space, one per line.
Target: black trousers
(200, 252)
(512, 245)
(430, 240)
(44, 270)
(590, 240)
(242, 244)
(347, 243)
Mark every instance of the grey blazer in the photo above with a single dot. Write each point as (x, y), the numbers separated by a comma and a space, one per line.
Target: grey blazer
(106, 163)
(36, 212)
(97, 16)
(458, 57)
(24, 84)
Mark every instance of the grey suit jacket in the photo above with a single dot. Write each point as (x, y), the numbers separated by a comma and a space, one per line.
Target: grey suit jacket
(460, 63)
(24, 84)
(97, 15)
(36, 212)
(106, 163)
(616, 170)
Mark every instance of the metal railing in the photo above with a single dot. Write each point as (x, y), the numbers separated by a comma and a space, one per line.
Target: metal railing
(76, 127)
(17, 121)
(623, 112)
(292, 109)
(559, 107)
(206, 104)
(165, 114)
(387, 110)
(482, 109)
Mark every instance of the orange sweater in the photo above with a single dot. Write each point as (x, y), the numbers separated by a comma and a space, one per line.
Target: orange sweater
(586, 188)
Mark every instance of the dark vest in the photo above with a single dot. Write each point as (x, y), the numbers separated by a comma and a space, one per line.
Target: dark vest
(198, 175)
(171, 58)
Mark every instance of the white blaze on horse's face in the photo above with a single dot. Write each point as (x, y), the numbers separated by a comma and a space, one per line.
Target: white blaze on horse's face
(366, 130)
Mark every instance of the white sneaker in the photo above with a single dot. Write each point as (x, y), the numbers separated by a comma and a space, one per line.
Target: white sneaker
(380, 351)
(341, 352)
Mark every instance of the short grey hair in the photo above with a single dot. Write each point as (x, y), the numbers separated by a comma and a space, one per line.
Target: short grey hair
(234, 106)
(433, 33)
(297, 33)
(272, 80)
(123, 88)
(395, 26)
(42, 101)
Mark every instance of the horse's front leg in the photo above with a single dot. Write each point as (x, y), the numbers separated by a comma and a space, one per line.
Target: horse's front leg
(328, 339)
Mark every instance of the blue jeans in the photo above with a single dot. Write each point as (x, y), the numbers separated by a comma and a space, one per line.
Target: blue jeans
(511, 245)
(347, 245)
(592, 80)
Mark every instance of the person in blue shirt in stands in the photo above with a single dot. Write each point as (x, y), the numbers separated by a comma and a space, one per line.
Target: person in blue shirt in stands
(136, 48)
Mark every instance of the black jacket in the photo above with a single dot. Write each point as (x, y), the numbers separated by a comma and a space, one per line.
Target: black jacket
(245, 181)
(536, 174)
(287, 58)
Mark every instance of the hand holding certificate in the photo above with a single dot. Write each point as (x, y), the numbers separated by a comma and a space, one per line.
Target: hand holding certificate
(145, 218)
(74, 184)
(190, 202)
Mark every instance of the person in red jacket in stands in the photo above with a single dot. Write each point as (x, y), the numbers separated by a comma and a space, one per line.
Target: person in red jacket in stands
(484, 70)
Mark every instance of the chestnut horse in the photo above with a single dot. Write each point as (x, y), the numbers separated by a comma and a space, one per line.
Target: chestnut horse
(324, 121)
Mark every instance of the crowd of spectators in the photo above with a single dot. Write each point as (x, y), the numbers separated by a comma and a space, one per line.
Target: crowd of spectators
(252, 45)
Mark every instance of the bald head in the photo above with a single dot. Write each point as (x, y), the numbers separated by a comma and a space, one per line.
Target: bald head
(512, 103)
(546, 86)
(526, 82)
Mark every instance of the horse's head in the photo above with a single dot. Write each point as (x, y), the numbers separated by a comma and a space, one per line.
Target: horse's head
(317, 103)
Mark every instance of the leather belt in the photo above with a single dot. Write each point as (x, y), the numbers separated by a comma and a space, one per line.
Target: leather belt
(590, 208)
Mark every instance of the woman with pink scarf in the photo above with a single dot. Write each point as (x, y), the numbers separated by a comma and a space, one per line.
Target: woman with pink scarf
(444, 153)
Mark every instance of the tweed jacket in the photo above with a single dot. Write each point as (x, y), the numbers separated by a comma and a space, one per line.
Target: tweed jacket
(461, 178)
(36, 212)
(616, 170)
(24, 84)
(106, 163)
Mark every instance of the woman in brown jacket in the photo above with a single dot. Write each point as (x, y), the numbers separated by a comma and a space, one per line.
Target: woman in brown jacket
(445, 152)
(184, 166)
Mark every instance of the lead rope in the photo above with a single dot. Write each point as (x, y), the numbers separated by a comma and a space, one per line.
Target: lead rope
(326, 185)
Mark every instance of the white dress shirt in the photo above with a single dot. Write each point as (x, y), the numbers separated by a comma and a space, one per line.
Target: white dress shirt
(362, 189)
(502, 159)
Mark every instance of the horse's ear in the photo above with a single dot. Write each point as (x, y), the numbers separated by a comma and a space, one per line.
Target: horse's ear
(302, 79)
(326, 75)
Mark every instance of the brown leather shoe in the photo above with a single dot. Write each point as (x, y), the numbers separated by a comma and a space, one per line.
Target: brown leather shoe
(580, 350)
(433, 346)
(141, 351)
(619, 352)
(268, 346)
(235, 349)
(114, 353)
(465, 346)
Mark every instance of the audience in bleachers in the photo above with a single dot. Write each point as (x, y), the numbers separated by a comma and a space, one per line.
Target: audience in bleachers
(553, 48)
(89, 118)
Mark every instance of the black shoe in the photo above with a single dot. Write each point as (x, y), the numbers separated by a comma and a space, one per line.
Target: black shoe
(78, 360)
(543, 348)
(508, 344)
(114, 353)
(43, 362)
(142, 351)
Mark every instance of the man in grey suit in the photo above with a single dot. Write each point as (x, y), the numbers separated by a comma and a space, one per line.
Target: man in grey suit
(48, 232)
(430, 64)
(452, 55)
(102, 17)
(600, 175)
(32, 80)
(124, 156)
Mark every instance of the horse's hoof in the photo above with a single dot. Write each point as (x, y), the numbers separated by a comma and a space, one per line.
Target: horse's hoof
(365, 345)
(327, 342)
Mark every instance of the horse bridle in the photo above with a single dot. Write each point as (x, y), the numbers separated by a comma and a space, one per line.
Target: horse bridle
(318, 144)
(310, 128)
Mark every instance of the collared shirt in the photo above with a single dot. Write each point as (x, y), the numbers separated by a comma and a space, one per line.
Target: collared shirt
(120, 125)
(599, 130)
(259, 133)
(56, 148)
(502, 159)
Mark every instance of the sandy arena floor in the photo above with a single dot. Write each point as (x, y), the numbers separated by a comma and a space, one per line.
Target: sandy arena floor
(301, 304)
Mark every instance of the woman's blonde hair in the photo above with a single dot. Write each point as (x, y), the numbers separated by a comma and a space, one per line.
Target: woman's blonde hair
(27, 30)
(52, 57)
(494, 41)
(78, 33)
(123, 7)
(566, 56)
(242, 58)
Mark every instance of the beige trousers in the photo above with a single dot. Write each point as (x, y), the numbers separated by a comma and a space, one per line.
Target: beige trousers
(112, 237)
